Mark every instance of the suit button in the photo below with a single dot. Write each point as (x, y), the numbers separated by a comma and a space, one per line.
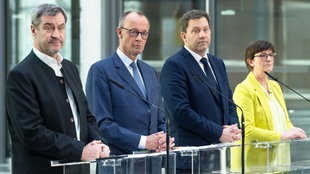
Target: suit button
(61, 82)
(67, 100)
(71, 119)
(149, 111)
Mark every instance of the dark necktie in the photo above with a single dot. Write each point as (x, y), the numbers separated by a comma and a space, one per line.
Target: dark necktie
(137, 78)
(210, 78)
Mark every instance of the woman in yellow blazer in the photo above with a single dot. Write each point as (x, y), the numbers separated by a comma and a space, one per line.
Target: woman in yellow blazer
(265, 112)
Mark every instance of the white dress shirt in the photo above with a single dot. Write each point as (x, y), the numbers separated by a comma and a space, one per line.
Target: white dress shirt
(127, 61)
(55, 64)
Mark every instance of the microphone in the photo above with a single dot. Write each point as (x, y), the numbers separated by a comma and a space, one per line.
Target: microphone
(158, 108)
(275, 79)
(146, 101)
(120, 86)
(242, 118)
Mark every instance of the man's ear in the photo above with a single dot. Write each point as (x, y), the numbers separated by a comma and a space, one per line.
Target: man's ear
(119, 32)
(33, 30)
(183, 36)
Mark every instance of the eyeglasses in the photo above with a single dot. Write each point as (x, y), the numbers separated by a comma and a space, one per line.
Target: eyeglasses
(135, 33)
(265, 56)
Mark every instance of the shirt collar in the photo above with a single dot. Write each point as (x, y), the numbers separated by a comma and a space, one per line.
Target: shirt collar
(125, 59)
(195, 55)
(55, 64)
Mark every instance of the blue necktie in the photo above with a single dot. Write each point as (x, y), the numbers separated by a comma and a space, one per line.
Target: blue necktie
(137, 78)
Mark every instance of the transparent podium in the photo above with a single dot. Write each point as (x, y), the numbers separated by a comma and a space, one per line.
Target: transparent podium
(182, 160)
(268, 157)
(273, 157)
(203, 159)
(144, 163)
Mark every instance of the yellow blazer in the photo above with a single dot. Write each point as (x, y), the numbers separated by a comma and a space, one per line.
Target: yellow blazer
(250, 96)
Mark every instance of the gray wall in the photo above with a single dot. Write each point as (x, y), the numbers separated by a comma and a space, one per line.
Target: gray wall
(110, 16)
(2, 84)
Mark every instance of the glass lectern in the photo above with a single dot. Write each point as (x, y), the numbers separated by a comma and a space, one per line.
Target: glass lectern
(148, 163)
(274, 157)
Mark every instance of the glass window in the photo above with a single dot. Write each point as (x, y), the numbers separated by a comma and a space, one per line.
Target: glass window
(20, 33)
(164, 18)
(282, 22)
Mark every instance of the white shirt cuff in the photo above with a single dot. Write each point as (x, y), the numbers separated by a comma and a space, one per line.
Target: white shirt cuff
(142, 142)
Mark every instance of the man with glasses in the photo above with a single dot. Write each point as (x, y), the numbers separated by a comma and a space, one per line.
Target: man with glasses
(126, 120)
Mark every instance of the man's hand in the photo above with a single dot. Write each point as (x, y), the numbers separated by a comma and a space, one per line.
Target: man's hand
(95, 149)
(157, 142)
(231, 133)
(162, 143)
(105, 151)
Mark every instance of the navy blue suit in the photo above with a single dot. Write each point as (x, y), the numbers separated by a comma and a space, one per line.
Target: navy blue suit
(196, 114)
(123, 117)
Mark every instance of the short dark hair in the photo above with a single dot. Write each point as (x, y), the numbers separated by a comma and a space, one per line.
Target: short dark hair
(192, 14)
(256, 47)
(46, 10)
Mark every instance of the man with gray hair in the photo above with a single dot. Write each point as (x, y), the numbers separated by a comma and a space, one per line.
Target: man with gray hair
(128, 122)
(121, 87)
(48, 116)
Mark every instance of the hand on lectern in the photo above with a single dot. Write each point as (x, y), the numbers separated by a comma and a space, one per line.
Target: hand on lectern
(95, 149)
(157, 142)
(105, 152)
(231, 133)
(162, 143)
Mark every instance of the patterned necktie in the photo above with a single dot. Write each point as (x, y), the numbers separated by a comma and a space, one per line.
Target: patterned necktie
(210, 78)
(137, 78)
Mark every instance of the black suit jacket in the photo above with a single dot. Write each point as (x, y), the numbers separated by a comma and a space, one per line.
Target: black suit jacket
(39, 130)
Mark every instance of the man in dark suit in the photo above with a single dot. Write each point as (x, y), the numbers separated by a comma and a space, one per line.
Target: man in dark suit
(48, 116)
(199, 115)
(127, 122)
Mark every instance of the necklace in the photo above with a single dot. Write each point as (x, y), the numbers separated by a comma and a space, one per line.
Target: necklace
(266, 89)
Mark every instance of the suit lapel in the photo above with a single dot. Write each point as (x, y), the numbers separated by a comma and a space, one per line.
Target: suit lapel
(125, 74)
(74, 85)
(196, 69)
(217, 72)
(69, 78)
(261, 96)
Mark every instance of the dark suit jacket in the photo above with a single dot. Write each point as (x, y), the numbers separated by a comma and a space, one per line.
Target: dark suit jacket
(122, 116)
(38, 127)
(196, 115)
